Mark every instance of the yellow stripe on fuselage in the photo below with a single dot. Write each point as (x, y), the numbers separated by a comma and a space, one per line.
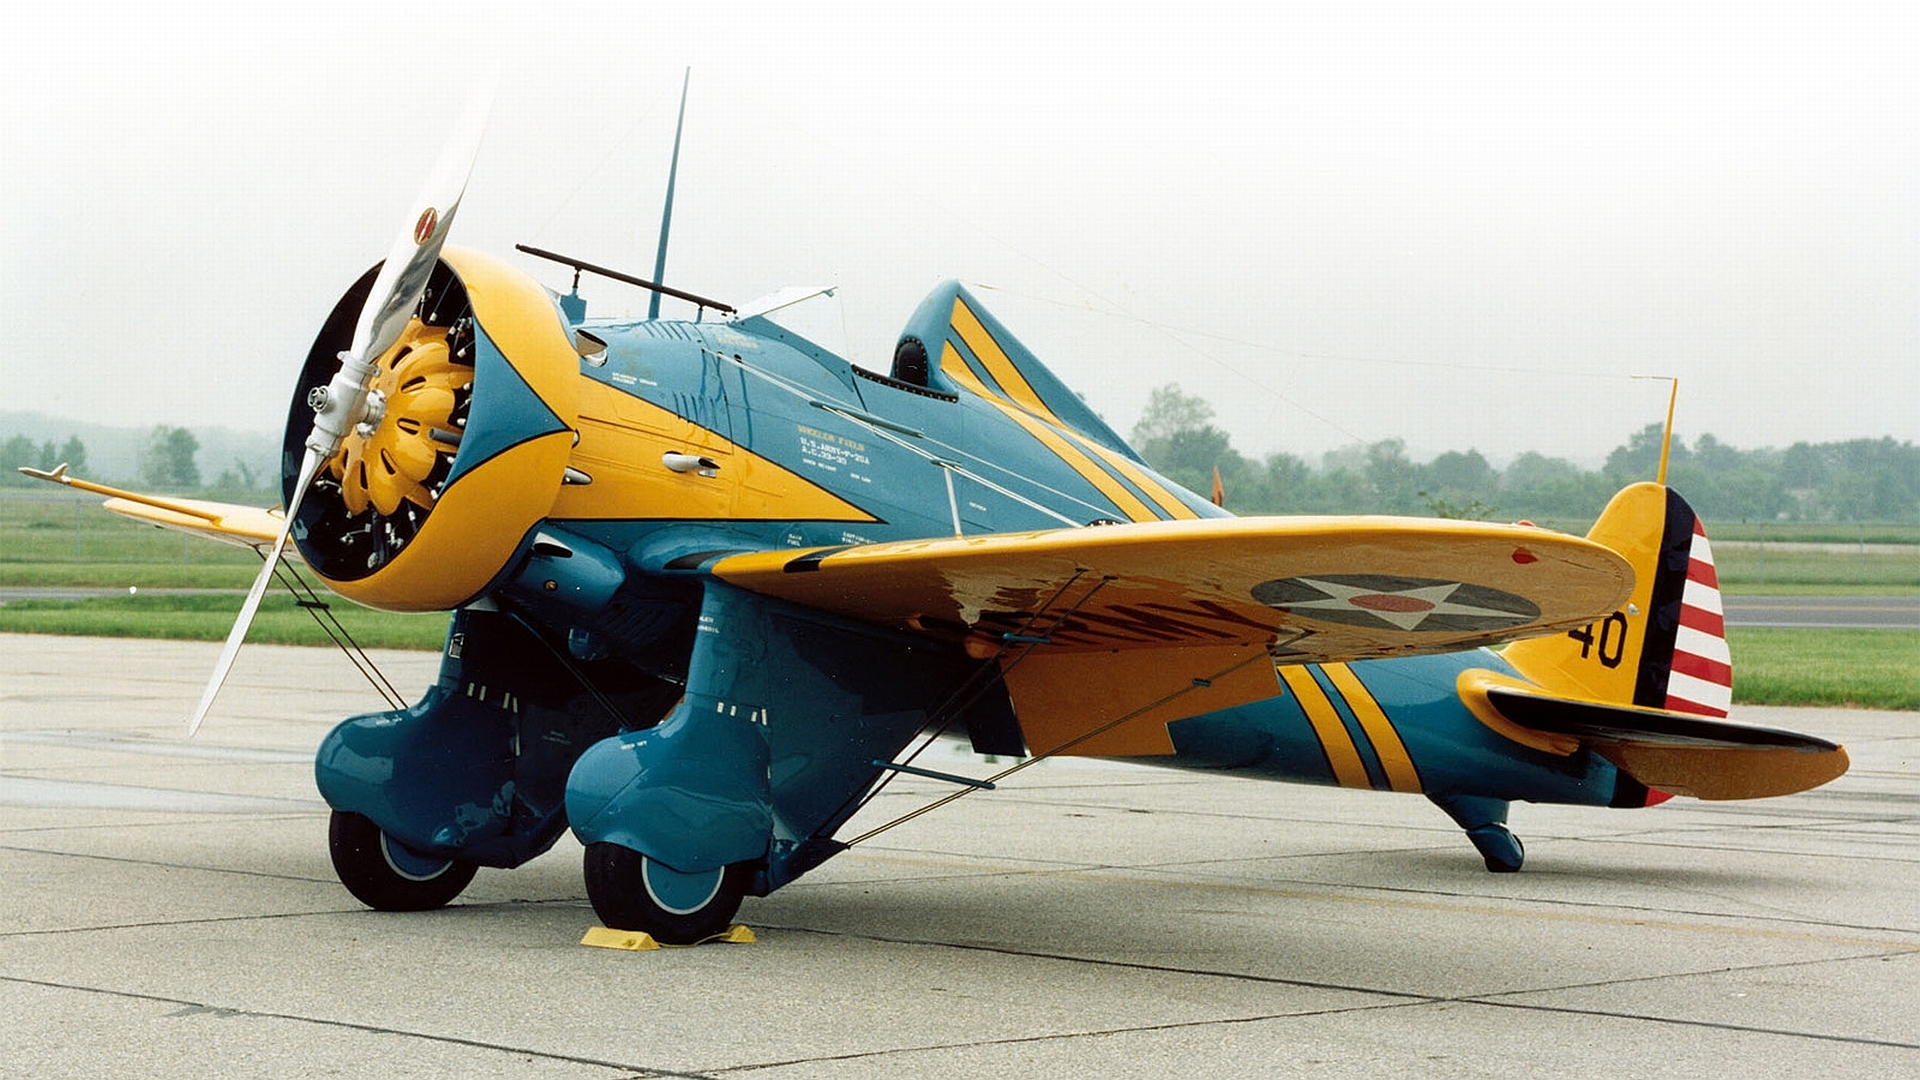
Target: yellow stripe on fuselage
(954, 367)
(1394, 761)
(1348, 769)
(1016, 389)
(967, 325)
(1139, 477)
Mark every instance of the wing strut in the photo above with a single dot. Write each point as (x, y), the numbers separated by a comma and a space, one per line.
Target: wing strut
(942, 716)
(1197, 684)
(1026, 639)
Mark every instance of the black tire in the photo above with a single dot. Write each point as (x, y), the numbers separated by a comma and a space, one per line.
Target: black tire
(385, 876)
(618, 886)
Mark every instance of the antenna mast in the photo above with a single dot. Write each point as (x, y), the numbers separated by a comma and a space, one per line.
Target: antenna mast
(1666, 440)
(666, 213)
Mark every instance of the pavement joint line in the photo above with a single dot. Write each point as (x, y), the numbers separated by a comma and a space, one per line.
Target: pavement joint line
(1302, 889)
(1343, 893)
(1596, 984)
(171, 821)
(1797, 855)
(196, 1007)
(1715, 1025)
(321, 913)
(158, 924)
(159, 864)
(1408, 999)
(1094, 961)
(1063, 1036)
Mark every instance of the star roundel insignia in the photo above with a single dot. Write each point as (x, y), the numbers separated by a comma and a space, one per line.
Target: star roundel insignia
(1415, 605)
(423, 229)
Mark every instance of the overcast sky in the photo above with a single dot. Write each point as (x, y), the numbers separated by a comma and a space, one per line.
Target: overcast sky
(1458, 225)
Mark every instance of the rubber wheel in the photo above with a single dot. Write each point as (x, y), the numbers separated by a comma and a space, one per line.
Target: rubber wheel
(632, 892)
(385, 876)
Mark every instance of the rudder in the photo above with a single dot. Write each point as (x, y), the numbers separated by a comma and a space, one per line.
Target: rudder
(1668, 648)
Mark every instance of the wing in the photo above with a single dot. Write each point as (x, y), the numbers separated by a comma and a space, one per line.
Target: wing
(1106, 634)
(250, 526)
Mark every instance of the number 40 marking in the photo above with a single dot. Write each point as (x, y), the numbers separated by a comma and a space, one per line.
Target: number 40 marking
(1610, 645)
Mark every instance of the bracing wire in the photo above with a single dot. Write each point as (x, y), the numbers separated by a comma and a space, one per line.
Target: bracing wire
(307, 598)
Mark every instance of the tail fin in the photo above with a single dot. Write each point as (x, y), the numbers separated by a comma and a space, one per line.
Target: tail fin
(1647, 687)
(1668, 649)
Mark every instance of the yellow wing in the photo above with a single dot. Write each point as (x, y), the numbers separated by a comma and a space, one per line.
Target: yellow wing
(231, 523)
(1159, 620)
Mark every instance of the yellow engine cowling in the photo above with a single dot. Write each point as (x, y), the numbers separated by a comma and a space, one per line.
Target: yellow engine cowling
(467, 448)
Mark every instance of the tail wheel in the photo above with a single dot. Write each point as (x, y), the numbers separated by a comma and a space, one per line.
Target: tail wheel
(386, 876)
(632, 892)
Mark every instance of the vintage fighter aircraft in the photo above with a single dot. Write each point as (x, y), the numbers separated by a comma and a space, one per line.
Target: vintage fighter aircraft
(712, 586)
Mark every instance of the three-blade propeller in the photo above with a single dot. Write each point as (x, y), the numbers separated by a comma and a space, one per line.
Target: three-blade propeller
(342, 404)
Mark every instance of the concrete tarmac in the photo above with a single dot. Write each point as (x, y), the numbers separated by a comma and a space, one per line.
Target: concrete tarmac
(170, 911)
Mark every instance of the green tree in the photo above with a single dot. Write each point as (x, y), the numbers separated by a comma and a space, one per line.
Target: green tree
(168, 462)
(14, 453)
(1170, 410)
(1537, 486)
(1869, 480)
(1728, 484)
(239, 481)
(1802, 467)
(1462, 486)
(1291, 487)
(74, 453)
(1176, 436)
(1639, 459)
(1393, 481)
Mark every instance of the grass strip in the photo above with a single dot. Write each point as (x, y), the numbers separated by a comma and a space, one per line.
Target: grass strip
(235, 574)
(210, 617)
(1874, 669)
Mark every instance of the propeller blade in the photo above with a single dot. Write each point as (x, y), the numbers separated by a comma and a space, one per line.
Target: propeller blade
(342, 403)
(309, 468)
(417, 248)
(402, 278)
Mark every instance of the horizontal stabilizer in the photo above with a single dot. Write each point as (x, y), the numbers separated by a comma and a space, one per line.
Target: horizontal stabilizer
(1590, 720)
(1676, 752)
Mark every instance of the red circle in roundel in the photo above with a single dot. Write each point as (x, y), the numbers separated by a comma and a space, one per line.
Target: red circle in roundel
(423, 229)
(1389, 602)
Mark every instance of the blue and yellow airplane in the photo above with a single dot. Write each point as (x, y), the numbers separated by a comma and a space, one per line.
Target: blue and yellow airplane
(712, 586)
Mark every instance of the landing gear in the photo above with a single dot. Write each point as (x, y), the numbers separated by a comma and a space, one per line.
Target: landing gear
(632, 892)
(1485, 820)
(386, 876)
